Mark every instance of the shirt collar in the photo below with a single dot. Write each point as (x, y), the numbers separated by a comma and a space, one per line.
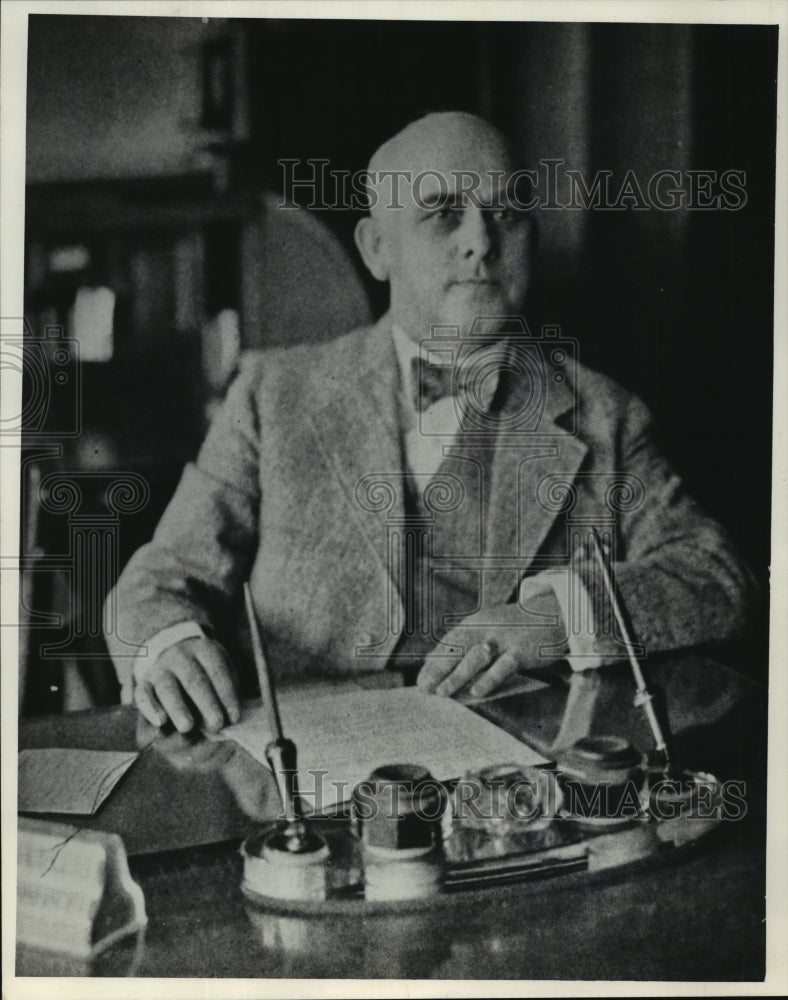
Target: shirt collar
(406, 349)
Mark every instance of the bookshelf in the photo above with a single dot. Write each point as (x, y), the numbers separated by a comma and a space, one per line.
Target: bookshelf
(124, 275)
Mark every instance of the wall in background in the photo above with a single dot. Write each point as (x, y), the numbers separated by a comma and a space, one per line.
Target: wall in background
(113, 96)
(675, 304)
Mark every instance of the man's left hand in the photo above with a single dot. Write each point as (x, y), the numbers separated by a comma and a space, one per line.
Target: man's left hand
(490, 647)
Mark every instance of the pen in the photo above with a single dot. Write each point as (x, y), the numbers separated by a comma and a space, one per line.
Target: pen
(270, 705)
(644, 698)
(280, 752)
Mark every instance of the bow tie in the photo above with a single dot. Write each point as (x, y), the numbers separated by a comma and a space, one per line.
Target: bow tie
(431, 382)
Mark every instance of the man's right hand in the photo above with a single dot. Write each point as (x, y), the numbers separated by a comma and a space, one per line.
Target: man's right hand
(189, 683)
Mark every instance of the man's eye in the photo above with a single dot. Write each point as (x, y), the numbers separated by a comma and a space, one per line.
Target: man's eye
(446, 214)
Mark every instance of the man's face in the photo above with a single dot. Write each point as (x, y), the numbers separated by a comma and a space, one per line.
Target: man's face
(455, 255)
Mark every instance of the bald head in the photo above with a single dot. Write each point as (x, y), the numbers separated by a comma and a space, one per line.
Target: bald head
(441, 228)
(429, 155)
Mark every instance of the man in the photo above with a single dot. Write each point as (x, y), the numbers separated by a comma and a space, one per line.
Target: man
(386, 528)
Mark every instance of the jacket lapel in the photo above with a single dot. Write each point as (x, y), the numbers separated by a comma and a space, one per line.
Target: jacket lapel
(359, 432)
(518, 520)
(360, 437)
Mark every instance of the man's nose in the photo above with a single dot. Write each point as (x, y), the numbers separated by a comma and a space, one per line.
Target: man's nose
(477, 237)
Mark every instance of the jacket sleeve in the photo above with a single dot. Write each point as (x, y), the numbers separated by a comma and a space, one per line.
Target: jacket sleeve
(680, 577)
(204, 545)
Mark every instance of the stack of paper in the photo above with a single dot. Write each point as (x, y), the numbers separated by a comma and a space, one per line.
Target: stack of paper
(342, 738)
(63, 780)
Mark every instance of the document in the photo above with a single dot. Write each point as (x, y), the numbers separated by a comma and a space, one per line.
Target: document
(69, 781)
(342, 738)
(516, 684)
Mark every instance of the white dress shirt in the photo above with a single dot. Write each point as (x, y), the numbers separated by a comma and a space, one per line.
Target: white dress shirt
(428, 434)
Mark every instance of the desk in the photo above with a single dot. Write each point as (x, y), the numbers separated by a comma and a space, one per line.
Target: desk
(697, 918)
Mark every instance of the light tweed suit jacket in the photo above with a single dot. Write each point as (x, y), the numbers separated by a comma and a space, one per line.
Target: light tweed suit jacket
(295, 489)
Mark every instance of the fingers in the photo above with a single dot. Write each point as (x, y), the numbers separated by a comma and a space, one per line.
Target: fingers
(446, 678)
(504, 667)
(217, 668)
(473, 662)
(484, 667)
(173, 703)
(192, 678)
(188, 682)
(435, 669)
(149, 705)
(433, 672)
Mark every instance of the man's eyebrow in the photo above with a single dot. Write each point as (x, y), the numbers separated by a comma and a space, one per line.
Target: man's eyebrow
(441, 199)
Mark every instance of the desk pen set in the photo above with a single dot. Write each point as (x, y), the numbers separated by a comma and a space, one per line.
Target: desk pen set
(599, 805)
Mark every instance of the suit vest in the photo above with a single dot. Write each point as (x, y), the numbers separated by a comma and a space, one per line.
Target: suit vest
(440, 544)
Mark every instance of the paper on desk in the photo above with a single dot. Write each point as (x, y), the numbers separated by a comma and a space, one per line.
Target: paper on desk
(516, 684)
(69, 781)
(342, 738)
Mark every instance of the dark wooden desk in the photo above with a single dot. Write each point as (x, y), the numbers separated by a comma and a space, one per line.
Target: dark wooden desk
(697, 918)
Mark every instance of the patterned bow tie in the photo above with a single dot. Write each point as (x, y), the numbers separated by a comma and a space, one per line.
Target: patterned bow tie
(431, 382)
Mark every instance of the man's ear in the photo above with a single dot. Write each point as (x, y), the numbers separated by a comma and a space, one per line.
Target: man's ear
(372, 247)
